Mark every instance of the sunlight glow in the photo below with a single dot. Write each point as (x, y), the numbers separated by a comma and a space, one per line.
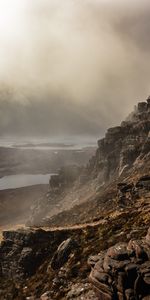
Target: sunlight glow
(10, 17)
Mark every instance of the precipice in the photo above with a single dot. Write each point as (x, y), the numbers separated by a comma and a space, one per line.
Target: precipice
(122, 145)
(124, 149)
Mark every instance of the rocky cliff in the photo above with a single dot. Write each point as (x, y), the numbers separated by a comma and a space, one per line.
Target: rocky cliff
(94, 240)
(54, 263)
(124, 153)
(122, 145)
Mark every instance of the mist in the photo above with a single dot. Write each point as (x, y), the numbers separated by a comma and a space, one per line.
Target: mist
(71, 67)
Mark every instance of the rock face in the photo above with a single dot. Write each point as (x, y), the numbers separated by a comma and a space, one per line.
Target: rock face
(62, 253)
(122, 145)
(123, 271)
(57, 185)
(50, 265)
(23, 251)
(128, 193)
(122, 150)
(66, 176)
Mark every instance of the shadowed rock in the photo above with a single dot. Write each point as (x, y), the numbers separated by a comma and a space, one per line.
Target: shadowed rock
(123, 272)
(62, 254)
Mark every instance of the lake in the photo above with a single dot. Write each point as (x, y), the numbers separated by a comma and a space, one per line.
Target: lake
(23, 180)
(74, 143)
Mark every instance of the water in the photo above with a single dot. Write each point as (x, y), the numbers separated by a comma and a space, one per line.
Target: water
(74, 143)
(23, 180)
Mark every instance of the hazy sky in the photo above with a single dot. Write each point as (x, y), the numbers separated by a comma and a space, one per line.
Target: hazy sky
(71, 66)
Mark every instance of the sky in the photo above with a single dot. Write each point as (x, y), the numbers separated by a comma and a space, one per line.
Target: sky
(71, 67)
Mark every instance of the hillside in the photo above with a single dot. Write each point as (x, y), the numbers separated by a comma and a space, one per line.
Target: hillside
(122, 155)
(90, 237)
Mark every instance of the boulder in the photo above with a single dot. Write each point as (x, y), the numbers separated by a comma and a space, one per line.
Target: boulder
(142, 107)
(118, 252)
(123, 271)
(92, 260)
(23, 251)
(62, 254)
(46, 296)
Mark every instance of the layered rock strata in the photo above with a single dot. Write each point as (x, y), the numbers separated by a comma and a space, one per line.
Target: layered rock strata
(123, 271)
(23, 251)
(122, 145)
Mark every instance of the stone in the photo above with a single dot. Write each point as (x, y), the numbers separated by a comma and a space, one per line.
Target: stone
(118, 252)
(142, 107)
(62, 254)
(23, 251)
(123, 272)
(143, 182)
(92, 260)
(120, 296)
(55, 182)
(125, 187)
(46, 296)
(145, 271)
(148, 237)
(122, 145)
(101, 286)
(121, 281)
(102, 295)
(131, 271)
(66, 176)
(137, 247)
(111, 265)
(129, 294)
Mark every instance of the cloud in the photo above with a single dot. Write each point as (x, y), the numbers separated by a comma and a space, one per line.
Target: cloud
(71, 66)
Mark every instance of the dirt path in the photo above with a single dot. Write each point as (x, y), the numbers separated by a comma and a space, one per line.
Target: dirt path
(60, 228)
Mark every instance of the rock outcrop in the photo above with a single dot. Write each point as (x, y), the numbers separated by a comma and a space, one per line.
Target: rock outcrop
(123, 271)
(128, 193)
(122, 151)
(65, 177)
(24, 250)
(122, 145)
(62, 254)
(57, 185)
(52, 263)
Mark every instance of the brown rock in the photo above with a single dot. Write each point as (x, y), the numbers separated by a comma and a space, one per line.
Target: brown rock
(102, 295)
(121, 281)
(62, 254)
(137, 247)
(129, 294)
(121, 278)
(92, 260)
(120, 296)
(148, 237)
(118, 252)
(95, 279)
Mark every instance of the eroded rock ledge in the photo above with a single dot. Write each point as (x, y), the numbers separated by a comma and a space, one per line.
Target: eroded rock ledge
(122, 145)
(24, 250)
(123, 271)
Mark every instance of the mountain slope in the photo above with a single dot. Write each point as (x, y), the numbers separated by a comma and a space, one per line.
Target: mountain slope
(123, 154)
(110, 202)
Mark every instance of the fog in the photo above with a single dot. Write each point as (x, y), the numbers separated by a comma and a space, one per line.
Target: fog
(71, 67)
